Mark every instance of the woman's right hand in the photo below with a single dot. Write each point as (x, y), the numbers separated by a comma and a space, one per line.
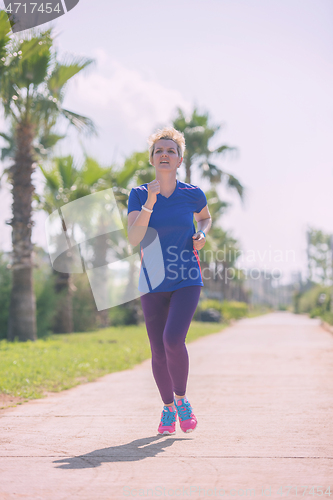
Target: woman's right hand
(153, 191)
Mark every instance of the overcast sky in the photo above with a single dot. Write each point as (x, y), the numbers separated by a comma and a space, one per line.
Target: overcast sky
(261, 68)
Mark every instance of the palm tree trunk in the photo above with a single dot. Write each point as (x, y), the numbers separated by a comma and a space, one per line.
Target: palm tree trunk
(188, 171)
(100, 248)
(63, 319)
(22, 309)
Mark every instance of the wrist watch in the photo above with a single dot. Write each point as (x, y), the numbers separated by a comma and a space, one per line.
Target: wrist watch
(200, 231)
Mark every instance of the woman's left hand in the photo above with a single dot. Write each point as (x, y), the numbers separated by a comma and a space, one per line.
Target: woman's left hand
(198, 240)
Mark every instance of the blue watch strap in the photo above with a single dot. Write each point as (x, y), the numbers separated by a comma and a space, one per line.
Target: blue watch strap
(200, 231)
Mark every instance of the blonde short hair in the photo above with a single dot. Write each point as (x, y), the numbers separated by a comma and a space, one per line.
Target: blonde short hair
(167, 133)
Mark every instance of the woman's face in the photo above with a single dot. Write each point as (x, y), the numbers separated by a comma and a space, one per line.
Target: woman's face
(165, 157)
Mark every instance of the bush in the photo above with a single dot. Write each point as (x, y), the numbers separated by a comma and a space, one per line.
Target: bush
(234, 310)
(44, 293)
(124, 314)
(315, 312)
(226, 310)
(84, 307)
(205, 305)
(328, 317)
(310, 299)
(211, 315)
(46, 302)
(317, 303)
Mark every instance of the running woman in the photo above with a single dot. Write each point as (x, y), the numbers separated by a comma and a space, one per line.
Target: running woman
(167, 205)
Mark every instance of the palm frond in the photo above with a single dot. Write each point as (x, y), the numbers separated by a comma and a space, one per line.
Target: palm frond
(4, 36)
(50, 140)
(52, 178)
(81, 123)
(7, 137)
(34, 61)
(31, 46)
(217, 207)
(64, 72)
(9, 151)
(224, 149)
(126, 174)
(68, 172)
(136, 165)
(6, 171)
(92, 171)
(234, 183)
(180, 122)
(211, 172)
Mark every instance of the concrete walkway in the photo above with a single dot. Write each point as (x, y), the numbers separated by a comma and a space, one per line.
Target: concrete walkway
(262, 391)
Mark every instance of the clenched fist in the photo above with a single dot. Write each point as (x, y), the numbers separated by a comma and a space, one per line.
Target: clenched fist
(198, 240)
(153, 190)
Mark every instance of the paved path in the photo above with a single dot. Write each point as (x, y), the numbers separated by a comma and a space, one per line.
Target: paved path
(263, 394)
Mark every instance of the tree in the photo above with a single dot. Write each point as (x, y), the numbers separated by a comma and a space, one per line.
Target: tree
(221, 250)
(320, 256)
(198, 132)
(65, 182)
(135, 171)
(32, 90)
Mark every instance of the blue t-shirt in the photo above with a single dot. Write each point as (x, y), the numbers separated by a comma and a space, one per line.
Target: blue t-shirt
(172, 221)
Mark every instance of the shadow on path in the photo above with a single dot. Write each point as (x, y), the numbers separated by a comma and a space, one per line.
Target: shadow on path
(131, 452)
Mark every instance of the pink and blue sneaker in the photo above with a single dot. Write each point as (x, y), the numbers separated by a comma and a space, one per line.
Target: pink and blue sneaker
(187, 419)
(168, 421)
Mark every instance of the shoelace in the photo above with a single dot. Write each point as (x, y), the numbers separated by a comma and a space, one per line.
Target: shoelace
(184, 411)
(168, 417)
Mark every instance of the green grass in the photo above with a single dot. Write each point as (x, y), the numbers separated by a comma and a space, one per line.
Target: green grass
(58, 362)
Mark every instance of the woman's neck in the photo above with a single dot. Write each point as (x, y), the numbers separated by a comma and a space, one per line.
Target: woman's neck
(167, 186)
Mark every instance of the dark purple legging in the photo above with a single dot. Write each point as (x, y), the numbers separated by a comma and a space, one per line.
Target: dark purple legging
(168, 316)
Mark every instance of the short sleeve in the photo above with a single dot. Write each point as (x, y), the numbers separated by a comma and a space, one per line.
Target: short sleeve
(201, 202)
(133, 201)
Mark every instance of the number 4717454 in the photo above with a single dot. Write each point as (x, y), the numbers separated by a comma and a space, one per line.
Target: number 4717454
(30, 7)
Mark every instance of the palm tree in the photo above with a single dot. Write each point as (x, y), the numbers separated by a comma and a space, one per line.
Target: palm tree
(67, 182)
(136, 170)
(221, 248)
(64, 183)
(32, 90)
(198, 132)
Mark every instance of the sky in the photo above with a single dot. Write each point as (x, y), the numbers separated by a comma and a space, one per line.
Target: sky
(262, 69)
